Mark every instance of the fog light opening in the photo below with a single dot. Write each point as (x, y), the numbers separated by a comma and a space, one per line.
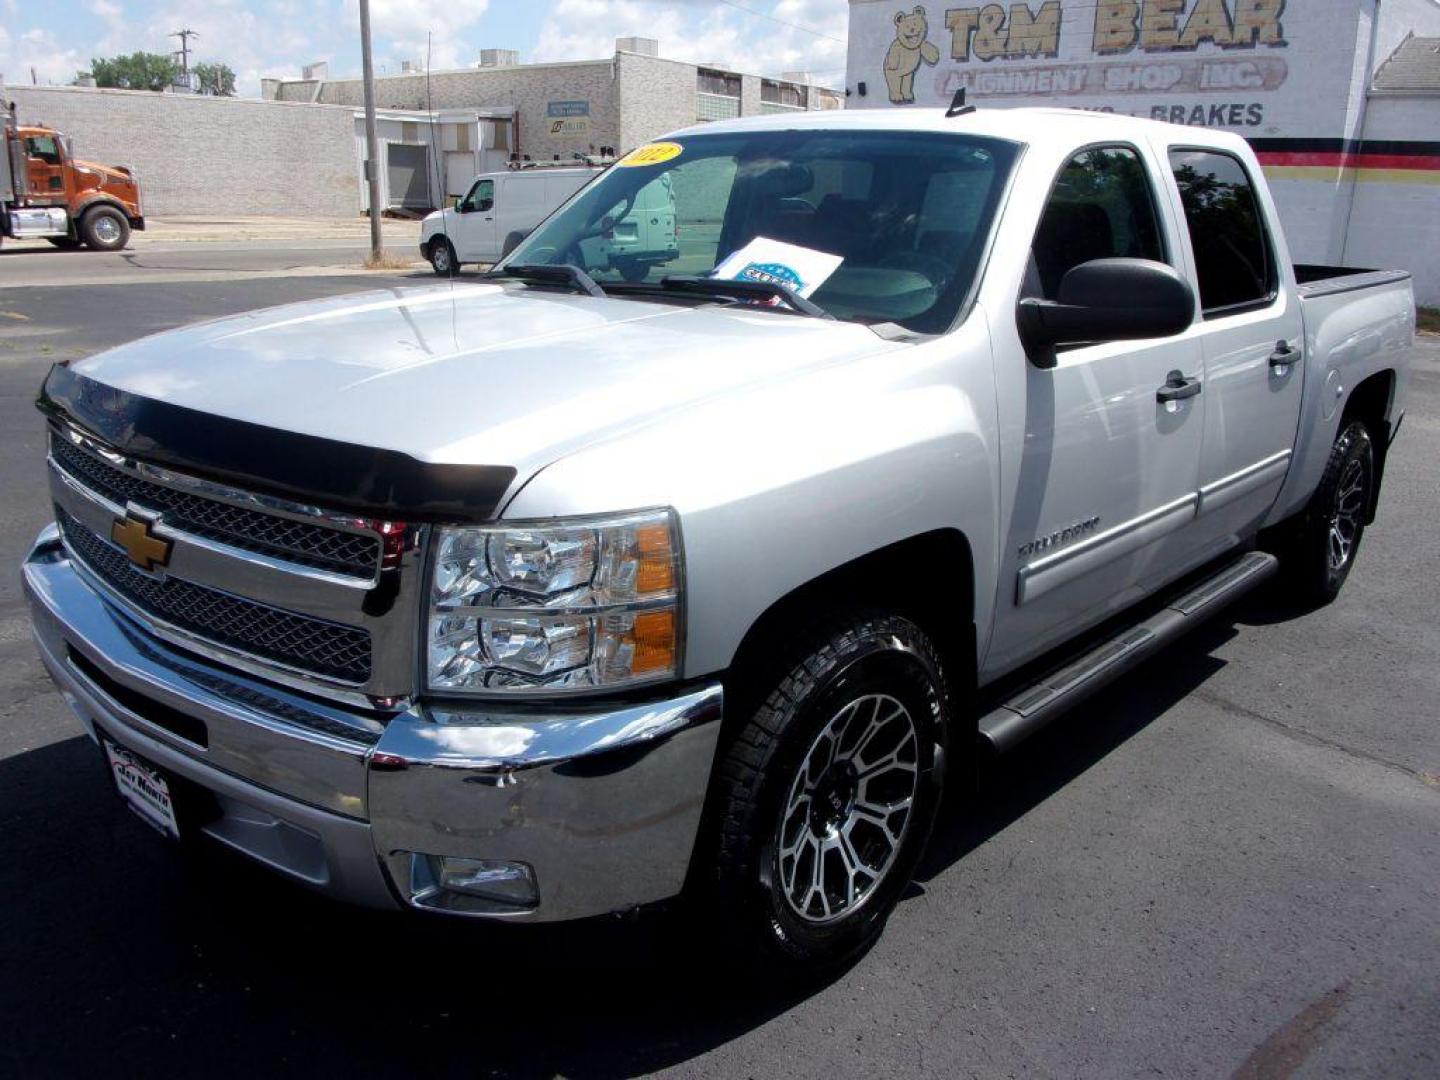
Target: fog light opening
(472, 886)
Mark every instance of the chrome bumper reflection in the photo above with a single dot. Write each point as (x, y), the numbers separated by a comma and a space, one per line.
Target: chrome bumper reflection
(602, 807)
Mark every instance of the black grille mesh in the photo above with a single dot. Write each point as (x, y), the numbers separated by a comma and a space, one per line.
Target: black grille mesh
(297, 641)
(250, 530)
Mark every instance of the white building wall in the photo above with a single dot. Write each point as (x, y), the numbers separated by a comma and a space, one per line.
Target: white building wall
(1395, 219)
(1297, 89)
(208, 155)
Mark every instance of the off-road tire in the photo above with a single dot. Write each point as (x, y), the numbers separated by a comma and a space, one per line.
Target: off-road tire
(442, 258)
(846, 658)
(104, 228)
(1314, 565)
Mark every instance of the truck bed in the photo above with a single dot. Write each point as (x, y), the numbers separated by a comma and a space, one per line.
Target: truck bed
(1315, 279)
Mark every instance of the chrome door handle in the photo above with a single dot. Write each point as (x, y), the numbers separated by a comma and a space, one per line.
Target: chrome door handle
(1284, 355)
(1177, 388)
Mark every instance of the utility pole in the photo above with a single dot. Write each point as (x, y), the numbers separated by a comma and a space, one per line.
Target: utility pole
(184, 51)
(372, 139)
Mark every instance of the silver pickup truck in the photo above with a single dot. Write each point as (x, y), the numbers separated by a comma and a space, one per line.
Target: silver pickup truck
(558, 592)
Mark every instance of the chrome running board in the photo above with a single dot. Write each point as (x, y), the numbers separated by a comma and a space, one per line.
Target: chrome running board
(1031, 708)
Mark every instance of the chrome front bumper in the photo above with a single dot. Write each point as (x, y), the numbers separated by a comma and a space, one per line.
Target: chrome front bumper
(601, 805)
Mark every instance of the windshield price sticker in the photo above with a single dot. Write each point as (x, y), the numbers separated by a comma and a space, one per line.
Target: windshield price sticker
(802, 270)
(650, 154)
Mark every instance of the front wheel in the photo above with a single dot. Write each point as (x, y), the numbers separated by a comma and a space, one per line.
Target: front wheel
(828, 793)
(1321, 545)
(442, 258)
(104, 229)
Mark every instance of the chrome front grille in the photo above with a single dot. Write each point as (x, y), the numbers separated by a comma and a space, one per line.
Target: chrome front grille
(298, 595)
(300, 542)
(288, 638)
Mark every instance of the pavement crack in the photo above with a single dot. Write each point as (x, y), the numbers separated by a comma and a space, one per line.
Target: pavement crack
(1430, 780)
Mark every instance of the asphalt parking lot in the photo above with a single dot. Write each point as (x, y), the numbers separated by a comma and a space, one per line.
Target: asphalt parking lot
(1228, 864)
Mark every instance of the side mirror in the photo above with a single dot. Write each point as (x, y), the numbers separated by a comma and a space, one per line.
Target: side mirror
(1107, 300)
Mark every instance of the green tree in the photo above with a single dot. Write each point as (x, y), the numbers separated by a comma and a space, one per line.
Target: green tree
(138, 71)
(216, 78)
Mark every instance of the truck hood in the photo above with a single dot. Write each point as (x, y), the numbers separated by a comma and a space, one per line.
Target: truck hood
(108, 173)
(488, 375)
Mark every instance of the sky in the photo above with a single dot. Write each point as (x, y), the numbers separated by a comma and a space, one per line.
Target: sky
(270, 38)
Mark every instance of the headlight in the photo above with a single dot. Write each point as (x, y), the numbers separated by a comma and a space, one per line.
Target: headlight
(572, 605)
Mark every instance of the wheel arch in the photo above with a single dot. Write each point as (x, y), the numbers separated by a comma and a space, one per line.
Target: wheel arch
(91, 201)
(941, 601)
(1370, 403)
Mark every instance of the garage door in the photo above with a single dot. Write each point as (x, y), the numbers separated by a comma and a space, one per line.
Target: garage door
(406, 168)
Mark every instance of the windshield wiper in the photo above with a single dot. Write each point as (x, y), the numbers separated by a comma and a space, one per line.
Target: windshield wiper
(745, 290)
(555, 274)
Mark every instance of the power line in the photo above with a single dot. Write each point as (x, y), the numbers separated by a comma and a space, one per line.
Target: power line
(783, 22)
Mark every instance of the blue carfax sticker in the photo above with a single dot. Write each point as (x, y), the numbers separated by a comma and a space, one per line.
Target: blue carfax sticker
(778, 273)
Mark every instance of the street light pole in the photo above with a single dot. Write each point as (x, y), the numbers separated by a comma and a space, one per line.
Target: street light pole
(372, 139)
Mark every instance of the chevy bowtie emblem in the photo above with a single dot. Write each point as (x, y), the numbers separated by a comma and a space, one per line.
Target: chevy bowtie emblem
(146, 550)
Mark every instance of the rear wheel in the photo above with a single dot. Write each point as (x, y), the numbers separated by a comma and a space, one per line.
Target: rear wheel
(828, 793)
(442, 258)
(104, 228)
(1321, 544)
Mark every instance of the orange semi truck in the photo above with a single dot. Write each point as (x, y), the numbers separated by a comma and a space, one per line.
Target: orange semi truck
(46, 193)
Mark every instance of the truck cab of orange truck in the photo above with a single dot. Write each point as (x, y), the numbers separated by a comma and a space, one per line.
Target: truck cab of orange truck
(47, 193)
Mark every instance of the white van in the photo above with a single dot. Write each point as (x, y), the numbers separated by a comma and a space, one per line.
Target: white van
(496, 213)
(642, 233)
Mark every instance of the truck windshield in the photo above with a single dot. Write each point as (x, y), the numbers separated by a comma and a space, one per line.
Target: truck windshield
(882, 226)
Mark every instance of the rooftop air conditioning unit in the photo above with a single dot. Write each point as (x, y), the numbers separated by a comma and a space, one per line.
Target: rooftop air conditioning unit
(643, 45)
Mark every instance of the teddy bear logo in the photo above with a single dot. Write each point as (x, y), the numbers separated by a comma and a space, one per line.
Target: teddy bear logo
(906, 52)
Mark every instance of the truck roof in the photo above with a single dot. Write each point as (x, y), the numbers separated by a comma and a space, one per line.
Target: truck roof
(1024, 125)
(563, 170)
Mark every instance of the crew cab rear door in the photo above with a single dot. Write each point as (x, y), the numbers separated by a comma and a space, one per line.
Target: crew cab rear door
(1251, 334)
(1105, 478)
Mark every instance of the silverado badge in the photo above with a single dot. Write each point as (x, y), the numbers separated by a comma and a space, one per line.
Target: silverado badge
(146, 550)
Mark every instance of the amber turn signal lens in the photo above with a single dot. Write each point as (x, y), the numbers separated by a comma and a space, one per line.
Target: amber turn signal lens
(656, 572)
(653, 638)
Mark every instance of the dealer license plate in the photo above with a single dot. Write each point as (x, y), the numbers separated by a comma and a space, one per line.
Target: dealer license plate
(144, 790)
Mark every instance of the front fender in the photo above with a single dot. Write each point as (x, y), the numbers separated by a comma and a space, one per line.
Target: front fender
(95, 198)
(780, 484)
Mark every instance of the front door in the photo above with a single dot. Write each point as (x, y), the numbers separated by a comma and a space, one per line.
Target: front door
(475, 223)
(1252, 334)
(1107, 478)
(45, 169)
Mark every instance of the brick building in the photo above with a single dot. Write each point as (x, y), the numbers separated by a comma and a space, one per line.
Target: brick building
(550, 110)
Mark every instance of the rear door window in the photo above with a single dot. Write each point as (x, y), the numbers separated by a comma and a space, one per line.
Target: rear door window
(1234, 258)
(1101, 207)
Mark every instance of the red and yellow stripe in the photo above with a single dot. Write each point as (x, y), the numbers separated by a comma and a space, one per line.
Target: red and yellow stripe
(1333, 161)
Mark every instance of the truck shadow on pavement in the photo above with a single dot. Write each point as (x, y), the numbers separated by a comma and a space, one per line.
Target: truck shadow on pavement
(125, 956)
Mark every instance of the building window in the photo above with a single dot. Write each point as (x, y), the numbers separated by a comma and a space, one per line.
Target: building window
(717, 95)
(777, 97)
